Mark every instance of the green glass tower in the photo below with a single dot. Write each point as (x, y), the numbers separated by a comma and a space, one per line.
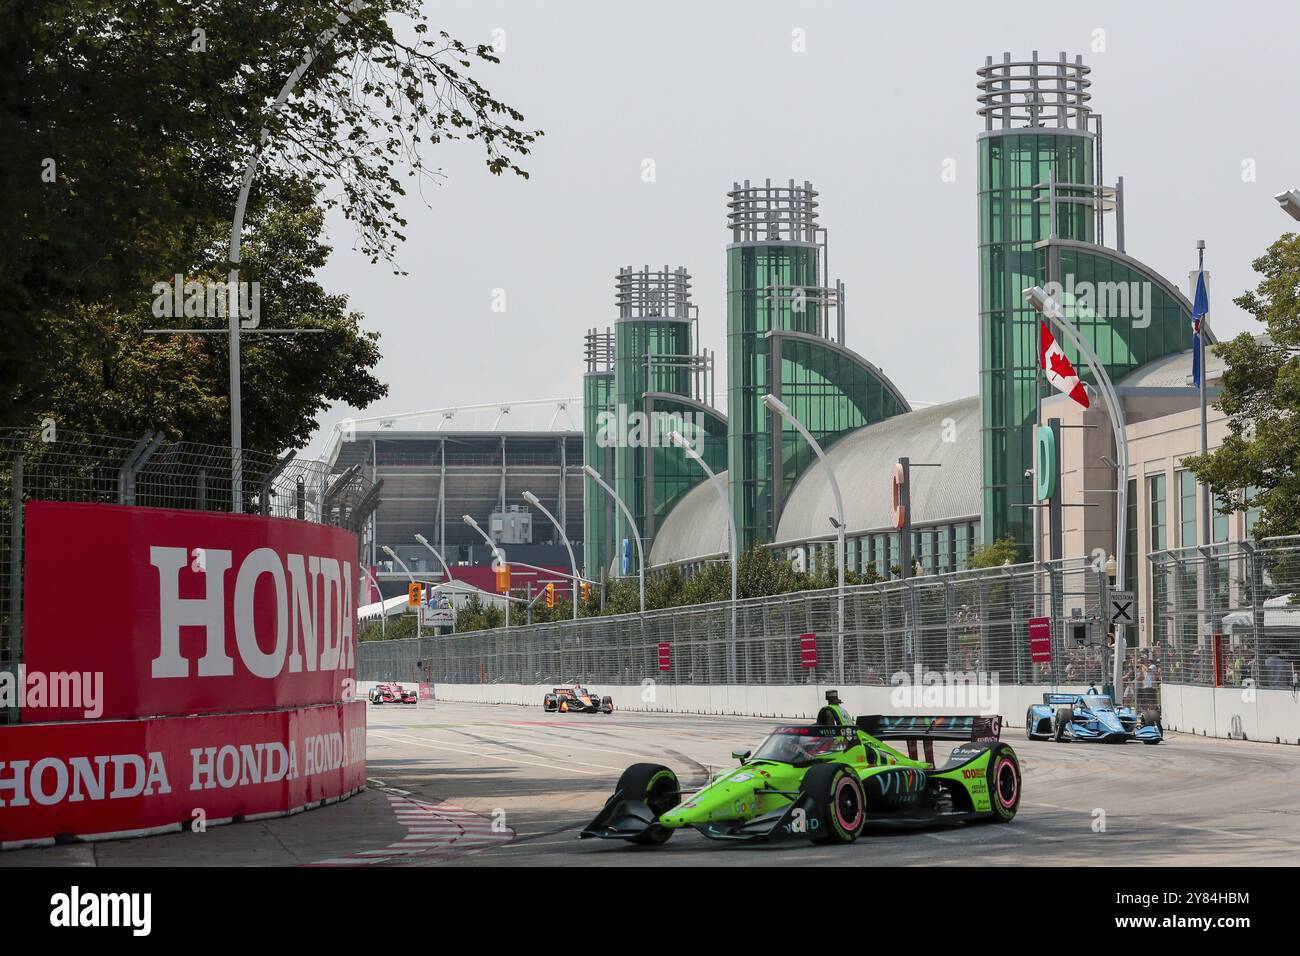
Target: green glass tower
(1026, 142)
(785, 335)
(658, 384)
(1042, 208)
(597, 405)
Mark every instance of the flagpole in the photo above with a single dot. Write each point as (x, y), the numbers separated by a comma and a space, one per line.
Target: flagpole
(1207, 535)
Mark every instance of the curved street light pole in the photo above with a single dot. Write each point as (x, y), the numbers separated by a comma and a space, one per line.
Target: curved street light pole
(778, 406)
(236, 228)
(497, 554)
(425, 541)
(383, 611)
(594, 475)
(1050, 309)
(393, 554)
(721, 487)
(573, 563)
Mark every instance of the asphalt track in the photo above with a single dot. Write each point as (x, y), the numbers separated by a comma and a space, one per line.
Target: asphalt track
(484, 785)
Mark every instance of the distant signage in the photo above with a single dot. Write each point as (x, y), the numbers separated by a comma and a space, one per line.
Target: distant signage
(1046, 485)
(1122, 607)
(627, 556)
(1040, 640)
(807, 650)
(437, 616)
(665, 656)
(898, 482)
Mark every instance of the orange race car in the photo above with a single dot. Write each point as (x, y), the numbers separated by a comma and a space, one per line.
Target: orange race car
(564, 699)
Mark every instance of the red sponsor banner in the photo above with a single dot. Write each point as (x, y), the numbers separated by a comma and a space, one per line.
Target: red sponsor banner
(665, 656)
(807, 650)
(185, 612)
(426, 691)
(124, 776)
(1040, 640)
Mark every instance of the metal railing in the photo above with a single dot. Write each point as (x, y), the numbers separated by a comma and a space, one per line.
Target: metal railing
(60, 465)
(1228, 614)
(969, 623)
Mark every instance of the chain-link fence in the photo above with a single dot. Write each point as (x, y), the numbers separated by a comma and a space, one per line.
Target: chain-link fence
(1227, 615)
(58, 465)
(968, 623)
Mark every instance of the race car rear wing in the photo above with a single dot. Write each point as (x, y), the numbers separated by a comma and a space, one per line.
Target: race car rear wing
(965, 727)
(930, 728)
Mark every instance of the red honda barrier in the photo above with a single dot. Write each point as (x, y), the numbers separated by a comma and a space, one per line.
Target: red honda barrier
(185, 612)
(128, 777)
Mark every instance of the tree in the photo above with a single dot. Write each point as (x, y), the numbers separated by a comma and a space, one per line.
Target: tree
(1000, 552)
(127, 128)
(98, 371)
(1258, 464)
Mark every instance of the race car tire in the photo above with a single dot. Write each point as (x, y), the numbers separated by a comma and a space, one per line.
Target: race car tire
(1004, 783)
(607, 705)
(1064, 717)
(1150, 718)
(657, 785)
(1029, 724)
(839, 803)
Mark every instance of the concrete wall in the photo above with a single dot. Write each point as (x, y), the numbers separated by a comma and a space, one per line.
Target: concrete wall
(795, 702)
(1272, 716)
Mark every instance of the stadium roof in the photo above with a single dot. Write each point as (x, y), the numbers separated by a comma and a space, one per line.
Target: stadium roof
(863, 461)
(533, 416)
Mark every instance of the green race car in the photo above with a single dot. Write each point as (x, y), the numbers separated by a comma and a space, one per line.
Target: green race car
(824, 781)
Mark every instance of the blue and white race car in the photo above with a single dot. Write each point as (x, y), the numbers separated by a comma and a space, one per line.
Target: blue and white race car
(1090, 716)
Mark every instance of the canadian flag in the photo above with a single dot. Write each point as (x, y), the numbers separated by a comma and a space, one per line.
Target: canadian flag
(1057, 367)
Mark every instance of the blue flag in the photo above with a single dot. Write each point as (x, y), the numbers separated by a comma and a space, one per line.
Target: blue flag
(1200, 308)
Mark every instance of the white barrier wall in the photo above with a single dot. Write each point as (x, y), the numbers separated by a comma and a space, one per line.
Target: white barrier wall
(1242, 713)
(1272, 716)
(794, 702)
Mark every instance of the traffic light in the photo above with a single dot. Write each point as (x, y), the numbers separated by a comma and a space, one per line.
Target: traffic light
(503, 579)
(550, 595)
(414, 592)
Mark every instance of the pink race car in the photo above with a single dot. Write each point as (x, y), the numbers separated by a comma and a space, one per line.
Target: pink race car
(392, 692)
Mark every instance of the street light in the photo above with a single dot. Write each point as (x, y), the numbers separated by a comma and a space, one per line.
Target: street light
(776, 405)
(236, 232)
(383, 611)
(425, 541)
(497, 554)
(1289, 200)
(721, 488)
(594, 475)
(573, 563)
(1050, 309)
(393, 554)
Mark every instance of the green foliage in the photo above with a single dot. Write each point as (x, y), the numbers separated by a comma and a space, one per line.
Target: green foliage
(1000, 552)
(1261, 397)
(126, 139)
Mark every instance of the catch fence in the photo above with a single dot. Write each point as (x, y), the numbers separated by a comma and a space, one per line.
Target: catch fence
(969, 623)
(54, 464)
(1228, 615)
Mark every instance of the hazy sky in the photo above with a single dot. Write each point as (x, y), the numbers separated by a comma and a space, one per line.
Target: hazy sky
(1200, 120)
